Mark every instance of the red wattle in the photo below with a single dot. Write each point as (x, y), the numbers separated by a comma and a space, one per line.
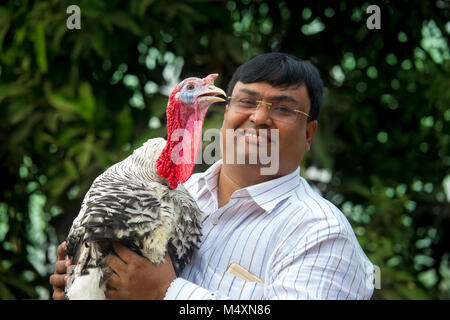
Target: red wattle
(177, 160)
(164, 165)
(166, 168)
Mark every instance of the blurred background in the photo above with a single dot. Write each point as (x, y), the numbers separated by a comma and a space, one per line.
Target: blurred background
(75, 101)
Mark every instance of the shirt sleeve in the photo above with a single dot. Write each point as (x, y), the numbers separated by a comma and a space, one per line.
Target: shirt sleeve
(327, 267)
(181, 289)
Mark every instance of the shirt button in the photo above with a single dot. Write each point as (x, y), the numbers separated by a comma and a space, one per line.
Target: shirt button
(215, 220)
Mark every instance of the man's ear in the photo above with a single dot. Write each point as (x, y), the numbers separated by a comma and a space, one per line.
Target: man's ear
(311, 128)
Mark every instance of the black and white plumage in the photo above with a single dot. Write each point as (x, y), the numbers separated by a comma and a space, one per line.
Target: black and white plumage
(127, 203)
(135, 202)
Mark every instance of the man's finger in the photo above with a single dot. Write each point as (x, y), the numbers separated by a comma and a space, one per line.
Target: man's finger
(113, 281)
(58, 294)
(110, 292)
(123, 252)
(61, 267)
(62, 251)
(58, 281)
(116, 263)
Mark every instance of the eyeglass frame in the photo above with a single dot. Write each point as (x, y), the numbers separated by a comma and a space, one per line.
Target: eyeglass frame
(269, 106)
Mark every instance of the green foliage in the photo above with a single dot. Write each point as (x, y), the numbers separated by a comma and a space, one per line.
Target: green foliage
(72, 102)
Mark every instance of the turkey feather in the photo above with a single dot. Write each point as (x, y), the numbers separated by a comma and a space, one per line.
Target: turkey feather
(128, 203)
(140, 201)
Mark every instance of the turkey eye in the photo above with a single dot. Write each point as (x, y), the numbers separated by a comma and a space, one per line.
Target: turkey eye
(190, 87)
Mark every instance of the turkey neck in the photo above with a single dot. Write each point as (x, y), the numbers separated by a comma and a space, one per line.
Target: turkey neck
(184, 128)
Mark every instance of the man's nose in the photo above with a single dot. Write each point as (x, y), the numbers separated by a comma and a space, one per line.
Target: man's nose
(261, 114)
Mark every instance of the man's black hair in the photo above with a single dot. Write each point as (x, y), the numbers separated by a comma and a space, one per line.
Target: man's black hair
(282, 70)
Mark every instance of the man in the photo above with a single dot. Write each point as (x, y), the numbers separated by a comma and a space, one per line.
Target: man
(296, 244)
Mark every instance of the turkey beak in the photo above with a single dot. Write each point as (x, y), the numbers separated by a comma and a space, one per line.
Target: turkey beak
(210, 95)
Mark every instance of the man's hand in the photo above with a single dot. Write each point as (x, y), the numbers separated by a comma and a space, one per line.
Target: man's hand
(137, 278)
(59, 278)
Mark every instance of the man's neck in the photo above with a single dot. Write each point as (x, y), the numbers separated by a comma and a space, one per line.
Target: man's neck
(234, 177)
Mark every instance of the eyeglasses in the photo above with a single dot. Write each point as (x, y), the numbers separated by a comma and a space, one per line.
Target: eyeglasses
(282, 113)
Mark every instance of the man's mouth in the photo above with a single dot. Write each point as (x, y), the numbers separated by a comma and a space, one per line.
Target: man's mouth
(255, 136)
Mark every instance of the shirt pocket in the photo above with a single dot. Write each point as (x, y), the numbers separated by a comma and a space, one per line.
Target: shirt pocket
(237, 288)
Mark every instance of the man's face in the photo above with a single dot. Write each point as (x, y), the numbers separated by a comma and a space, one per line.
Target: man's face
(294, 138)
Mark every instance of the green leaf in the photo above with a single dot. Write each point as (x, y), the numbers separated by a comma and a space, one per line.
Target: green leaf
(23, 131)
(71, 169)
(4, 25)
(5, 293)
(143, 5)
(20, 284)
(59, 184)
(124, 21)
(19, 111)
(84, 107)
(411, 292)
(58, 36)
(319, 151)
(39, 47)
(87, 106)
(62, 103)
(124, 129)
(11, 90)
(19, 36)
(158, 105)
(83, 157)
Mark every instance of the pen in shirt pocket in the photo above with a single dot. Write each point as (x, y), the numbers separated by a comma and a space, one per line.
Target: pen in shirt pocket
(240, 272)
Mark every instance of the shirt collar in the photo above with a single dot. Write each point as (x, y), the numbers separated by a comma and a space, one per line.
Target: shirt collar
(210, 176)
(266, 194)
(270, 193)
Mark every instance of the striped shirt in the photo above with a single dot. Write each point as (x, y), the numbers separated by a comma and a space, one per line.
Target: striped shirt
(299, 244)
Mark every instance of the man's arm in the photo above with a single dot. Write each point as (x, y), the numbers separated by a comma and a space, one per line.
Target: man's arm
(323, 265)
(327, 269)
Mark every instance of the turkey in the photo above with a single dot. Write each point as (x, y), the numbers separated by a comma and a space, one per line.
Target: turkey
(140, 201)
